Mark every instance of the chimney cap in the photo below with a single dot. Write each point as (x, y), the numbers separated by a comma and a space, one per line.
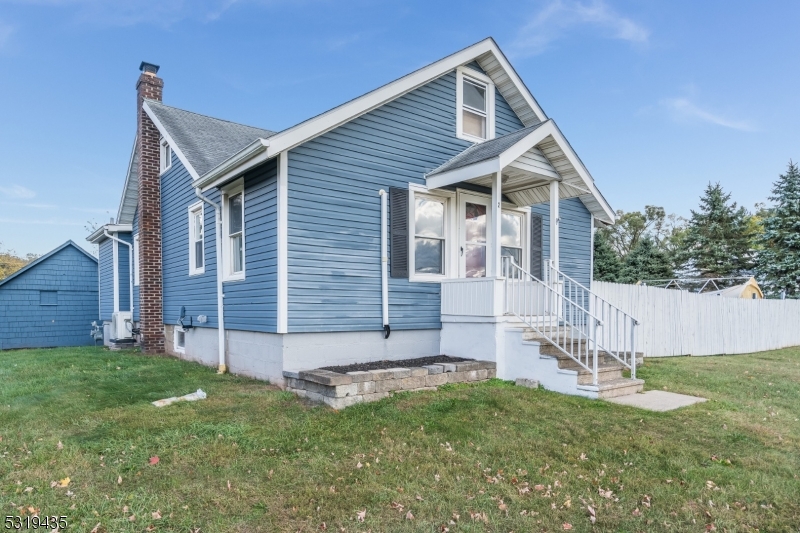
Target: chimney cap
(149, 68)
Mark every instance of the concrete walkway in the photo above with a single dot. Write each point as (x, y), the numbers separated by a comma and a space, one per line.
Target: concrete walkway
(657, 400)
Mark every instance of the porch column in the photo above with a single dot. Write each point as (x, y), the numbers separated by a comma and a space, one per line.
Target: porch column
(497, 194)
(554, 223)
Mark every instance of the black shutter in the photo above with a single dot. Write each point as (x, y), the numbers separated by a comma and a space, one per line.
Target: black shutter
(398, 244)
(536, 245)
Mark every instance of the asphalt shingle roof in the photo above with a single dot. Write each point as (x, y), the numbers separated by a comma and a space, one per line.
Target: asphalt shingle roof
(485, 150)
(206, 142)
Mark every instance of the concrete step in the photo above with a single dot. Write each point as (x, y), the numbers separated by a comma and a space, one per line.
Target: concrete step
(619, 387)
(605, 374)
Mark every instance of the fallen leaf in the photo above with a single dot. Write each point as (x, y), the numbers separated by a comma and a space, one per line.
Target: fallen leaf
(419, 498)
(566, 526)
(64, 483)
(436, 477)
(361, 515)
(132, 518)
(229, 484)
(409, 516)
(397, 506)
(592, 513)
(154, 460)
(156, 515)
(28, 489)
(636, 512)
(538, 487)
(119, 480)
(323, 527)
(96, 528)
(59, 446)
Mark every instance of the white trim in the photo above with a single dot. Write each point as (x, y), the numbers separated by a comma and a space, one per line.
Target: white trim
(99, 234)
(164, 150)
(192, 211)
(136, 260)
(337, 116)
(478, 79)
(165, 134)
(555, 224)
(464, 197)
(235, 188)
(179, 349)
(490, 166)
(127, 179)
(447, 253)
(493, 258)
(283, 242)
(115, 254)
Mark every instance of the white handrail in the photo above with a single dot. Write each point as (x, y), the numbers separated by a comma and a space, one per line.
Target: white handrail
(618, 336)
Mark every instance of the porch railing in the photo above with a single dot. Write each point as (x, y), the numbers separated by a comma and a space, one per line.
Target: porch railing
(569, 316)
(617, 336)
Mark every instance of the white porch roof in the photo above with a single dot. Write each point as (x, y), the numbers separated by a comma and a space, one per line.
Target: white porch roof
(528, 159)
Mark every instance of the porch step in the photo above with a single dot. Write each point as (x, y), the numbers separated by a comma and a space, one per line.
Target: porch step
(605, 374)
(617, 387)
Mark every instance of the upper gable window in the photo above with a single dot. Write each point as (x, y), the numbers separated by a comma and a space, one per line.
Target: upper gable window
(474, 106)
(166, 156)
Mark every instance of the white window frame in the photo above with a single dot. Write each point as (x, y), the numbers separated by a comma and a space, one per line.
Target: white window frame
(449, 270)
(166, 157)
(193, 210)
(478, 79)
(227, 264)
(175, 331)
(135, 260)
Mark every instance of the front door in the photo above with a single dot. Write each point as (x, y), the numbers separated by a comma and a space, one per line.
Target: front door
(474, 228)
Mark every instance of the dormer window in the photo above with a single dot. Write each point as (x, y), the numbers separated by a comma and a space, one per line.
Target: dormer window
(166, 156)
(474, 106)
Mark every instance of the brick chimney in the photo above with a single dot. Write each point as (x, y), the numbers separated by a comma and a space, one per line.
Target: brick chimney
(151, 314)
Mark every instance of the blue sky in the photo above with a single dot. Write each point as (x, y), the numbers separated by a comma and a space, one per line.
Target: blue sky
(658, 98)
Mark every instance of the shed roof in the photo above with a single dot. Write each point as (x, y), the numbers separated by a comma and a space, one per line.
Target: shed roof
(44, 258)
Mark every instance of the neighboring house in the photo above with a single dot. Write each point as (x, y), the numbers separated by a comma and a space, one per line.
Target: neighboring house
(270, 242)
(50, 302)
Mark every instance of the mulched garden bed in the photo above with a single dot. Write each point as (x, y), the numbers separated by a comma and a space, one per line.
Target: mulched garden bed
(404, 363)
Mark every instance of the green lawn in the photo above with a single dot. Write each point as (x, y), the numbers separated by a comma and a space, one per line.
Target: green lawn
(486, 457)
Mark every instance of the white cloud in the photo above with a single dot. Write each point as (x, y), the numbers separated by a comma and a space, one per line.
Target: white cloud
(5, 33)
(16, 191)
(560, 16)
(682, 109)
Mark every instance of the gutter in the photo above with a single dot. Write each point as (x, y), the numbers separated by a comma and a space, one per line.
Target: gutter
(130, 264)
(220, 296)
(234, 165)
(384, 263)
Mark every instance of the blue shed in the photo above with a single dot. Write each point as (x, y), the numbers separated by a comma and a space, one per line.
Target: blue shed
(50, 302)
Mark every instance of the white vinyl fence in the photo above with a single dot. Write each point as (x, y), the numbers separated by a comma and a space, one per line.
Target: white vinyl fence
(675, 322)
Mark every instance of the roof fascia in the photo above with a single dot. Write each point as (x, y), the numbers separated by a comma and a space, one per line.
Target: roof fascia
(127, 178)
(523, 89)
(49, 254)
(583, 172)
(337, 116)
(172, 144)
(98, 234)
(251, 155)
(481, 168)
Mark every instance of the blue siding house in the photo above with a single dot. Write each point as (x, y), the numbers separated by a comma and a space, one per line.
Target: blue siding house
(385, 228)
(50, 302)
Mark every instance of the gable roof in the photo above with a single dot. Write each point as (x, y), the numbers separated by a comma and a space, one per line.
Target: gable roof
(478, 162)
(199, 141)
(486, 52)
(44, 258)
(485, 150)
(130, 191)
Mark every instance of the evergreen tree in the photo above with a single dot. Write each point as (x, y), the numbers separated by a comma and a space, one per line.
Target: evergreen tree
(646, 261)
(607, 265)
(779, 257)
(718, 241)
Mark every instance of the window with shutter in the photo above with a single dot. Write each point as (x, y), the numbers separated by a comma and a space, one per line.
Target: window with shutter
(398, 238)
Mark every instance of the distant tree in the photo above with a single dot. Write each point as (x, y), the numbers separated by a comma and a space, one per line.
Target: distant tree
(607, 264)
(778, 264)
(646, 261)
(718, 241)
(10, 262)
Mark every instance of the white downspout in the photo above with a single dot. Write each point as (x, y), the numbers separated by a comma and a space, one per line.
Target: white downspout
(384, 265)
(130, 263)
(220, 296)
